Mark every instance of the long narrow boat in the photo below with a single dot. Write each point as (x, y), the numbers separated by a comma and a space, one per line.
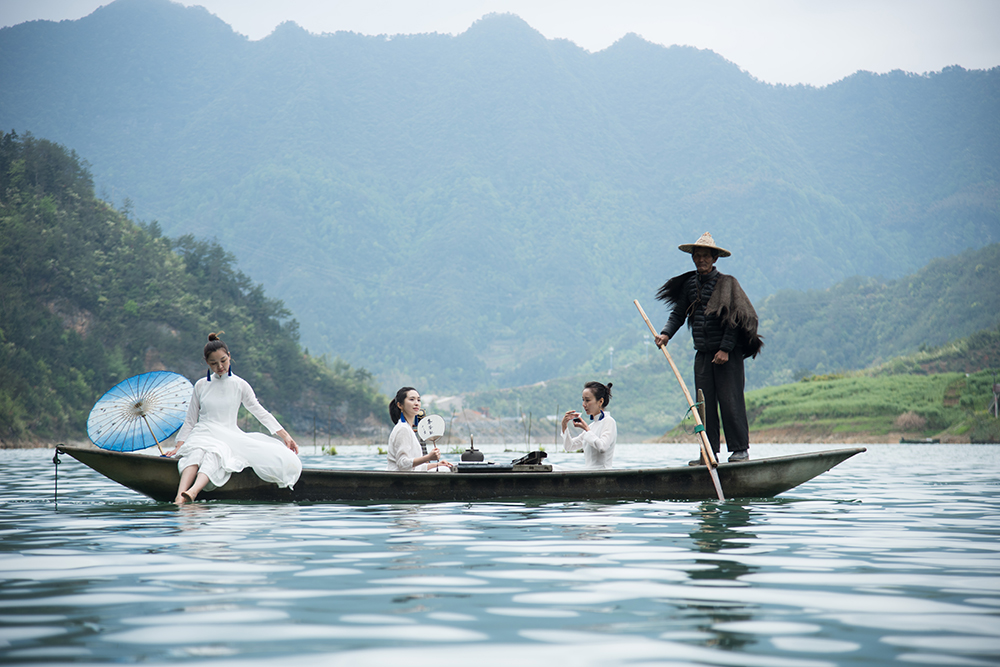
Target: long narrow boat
(157, 478)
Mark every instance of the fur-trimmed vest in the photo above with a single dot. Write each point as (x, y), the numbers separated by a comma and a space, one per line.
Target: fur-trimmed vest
(717, 311)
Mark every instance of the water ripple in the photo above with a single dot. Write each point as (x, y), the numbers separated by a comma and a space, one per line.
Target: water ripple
(891, 557)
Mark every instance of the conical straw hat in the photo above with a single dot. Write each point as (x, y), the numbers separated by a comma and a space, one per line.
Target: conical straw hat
(705, 241)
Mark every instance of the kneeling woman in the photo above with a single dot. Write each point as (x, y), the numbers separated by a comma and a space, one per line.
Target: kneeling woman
(599, 432)
(210, 443)
(404, 452)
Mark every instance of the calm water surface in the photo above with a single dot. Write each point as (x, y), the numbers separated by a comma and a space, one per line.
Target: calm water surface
(893, 557)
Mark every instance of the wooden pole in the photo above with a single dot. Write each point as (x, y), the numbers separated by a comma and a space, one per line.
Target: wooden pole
(707, 455)
(143, 415)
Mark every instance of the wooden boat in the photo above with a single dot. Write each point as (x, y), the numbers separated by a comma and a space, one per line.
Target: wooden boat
(157, 478)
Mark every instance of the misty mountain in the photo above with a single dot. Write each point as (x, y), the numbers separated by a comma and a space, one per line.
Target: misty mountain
(481, 209)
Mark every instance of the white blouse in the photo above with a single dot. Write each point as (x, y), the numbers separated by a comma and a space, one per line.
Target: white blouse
(403, 448)
(224, 396)
(598, 444)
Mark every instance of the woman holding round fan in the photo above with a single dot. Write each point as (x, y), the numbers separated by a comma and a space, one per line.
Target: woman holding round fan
(404, 452)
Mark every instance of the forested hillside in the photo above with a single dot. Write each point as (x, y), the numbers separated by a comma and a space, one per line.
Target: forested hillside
(944, 392)
(89, 297)
(865, 321)
(480, 210)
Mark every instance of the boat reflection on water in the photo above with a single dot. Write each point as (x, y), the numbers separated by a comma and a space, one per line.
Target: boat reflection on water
(718, 530)
(721, 528)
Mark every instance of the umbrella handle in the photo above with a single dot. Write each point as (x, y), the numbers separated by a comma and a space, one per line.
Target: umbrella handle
(152, 434)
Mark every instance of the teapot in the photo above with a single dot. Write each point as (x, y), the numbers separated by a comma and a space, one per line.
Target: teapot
(472, 454)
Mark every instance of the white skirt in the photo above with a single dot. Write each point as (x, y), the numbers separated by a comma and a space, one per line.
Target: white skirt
(219, 452)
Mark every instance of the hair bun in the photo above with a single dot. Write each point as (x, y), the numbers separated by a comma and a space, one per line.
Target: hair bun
(609, 385)
(214, 336)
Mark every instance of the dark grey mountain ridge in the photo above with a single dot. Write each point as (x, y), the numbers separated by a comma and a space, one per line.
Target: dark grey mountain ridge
(481, 209)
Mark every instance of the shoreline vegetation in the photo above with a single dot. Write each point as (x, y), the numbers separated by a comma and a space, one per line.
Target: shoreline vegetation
(901, 399)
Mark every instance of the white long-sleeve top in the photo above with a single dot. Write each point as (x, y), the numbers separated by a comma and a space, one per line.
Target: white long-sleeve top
(598, 443)
(224, 397)
(403, 448)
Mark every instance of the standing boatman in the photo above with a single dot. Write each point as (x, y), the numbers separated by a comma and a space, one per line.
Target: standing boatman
(723, 327)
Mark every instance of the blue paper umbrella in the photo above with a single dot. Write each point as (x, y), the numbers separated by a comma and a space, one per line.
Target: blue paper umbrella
(140, 412)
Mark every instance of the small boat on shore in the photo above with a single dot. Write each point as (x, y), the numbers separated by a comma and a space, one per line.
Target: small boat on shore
(157, 478)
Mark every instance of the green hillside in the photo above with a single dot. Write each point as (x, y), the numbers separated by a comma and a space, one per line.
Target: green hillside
(89, 297)
(941, 392)
(497, 199)
(845, 409)
(862, 322)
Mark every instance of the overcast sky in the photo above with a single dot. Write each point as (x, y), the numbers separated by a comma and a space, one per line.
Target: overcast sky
(779, 41)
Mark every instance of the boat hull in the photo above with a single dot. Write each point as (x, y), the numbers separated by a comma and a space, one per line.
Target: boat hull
(157, 477)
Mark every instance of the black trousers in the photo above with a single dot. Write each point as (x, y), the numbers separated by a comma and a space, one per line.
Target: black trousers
(723, 388)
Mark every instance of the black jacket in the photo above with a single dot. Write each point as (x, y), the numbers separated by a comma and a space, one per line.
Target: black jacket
(709, 332)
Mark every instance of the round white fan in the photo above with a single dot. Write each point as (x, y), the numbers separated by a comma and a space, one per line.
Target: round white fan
(430, 428)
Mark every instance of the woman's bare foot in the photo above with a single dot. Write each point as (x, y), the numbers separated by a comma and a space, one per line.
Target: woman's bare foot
(185, 497)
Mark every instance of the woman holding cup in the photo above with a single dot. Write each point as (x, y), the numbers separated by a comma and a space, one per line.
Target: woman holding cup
(599, 432)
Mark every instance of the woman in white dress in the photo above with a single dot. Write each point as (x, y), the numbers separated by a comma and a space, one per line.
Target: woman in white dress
(597, 439)
(404, 453)
(211, 445)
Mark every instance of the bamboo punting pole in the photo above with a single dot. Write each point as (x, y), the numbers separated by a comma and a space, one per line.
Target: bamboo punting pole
(707, 455)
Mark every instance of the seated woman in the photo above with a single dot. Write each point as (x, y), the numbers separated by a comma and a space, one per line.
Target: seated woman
(599, 435)
(404, 448)
(210, 443)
